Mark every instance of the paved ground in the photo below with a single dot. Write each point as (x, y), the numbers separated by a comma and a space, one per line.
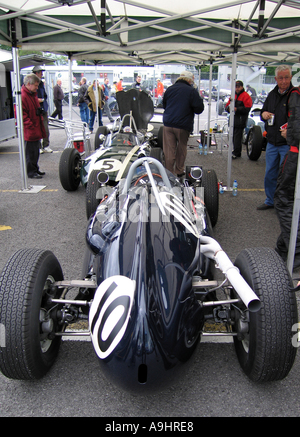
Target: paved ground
(214, 385)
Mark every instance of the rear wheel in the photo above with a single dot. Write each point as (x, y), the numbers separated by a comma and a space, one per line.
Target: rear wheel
(254, 143)
(28, 346)
(211, 195)
(160, 137)
(102, 130)
(264, 341)
(69, 169)
(220, 107)
(157, 153)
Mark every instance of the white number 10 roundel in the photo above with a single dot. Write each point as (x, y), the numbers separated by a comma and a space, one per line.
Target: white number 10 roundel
(109, 313)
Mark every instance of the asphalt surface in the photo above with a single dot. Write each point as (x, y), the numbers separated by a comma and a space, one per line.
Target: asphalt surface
(213, 385)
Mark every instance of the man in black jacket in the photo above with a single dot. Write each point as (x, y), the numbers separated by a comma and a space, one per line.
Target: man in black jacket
(274, 114)
(181, 102)
(285, 190)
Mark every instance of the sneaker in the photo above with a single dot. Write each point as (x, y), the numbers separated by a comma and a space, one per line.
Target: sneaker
(47, 150)
(235, 156)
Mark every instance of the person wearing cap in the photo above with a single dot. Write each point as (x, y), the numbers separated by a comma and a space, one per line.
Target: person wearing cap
(181, 102)
(242, 106)
(43, 99)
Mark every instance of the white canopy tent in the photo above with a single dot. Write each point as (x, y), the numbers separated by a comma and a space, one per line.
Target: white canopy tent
(130, 32)
(115, 32)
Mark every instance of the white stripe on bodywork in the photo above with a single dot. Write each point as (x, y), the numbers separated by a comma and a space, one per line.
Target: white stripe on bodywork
(125, 162)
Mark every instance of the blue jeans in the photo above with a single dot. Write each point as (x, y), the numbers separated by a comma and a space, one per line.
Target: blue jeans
(274, 158)
(92, 118)
(84, 112)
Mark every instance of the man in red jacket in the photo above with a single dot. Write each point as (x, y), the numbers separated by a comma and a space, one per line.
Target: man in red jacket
(242, 106)
(34, 129)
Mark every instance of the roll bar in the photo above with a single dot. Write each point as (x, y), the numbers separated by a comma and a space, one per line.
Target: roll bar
(146, 161)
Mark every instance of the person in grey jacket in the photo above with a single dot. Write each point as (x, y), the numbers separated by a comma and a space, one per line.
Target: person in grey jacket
(285, 189)
(58, 96)
(181, 102)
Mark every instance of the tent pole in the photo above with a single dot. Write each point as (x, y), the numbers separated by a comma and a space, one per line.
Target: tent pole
(295, 222)
(199, 87)
(209, 104)
(97, 99)
(231, 119)
(70, 86)
(19, 111)
(153, 87)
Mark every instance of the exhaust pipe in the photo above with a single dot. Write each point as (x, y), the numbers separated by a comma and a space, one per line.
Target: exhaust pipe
(213, 250)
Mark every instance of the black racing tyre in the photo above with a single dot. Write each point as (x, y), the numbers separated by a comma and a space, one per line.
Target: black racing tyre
(157, 153)
(250, 123)
(220, 106)
(264, 346)
(102, 130)
(91, 190)
(254, 143)
(69, 169)
(28, 346)
(211, 194)
(160, 137)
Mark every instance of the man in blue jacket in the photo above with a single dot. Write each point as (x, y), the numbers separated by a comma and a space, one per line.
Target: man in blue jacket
(106, 91)
(181, 102)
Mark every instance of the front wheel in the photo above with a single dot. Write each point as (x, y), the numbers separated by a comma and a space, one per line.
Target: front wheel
(92, 187)
(28, 320)
(264, 339)
(69, 169)
(157, 153)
